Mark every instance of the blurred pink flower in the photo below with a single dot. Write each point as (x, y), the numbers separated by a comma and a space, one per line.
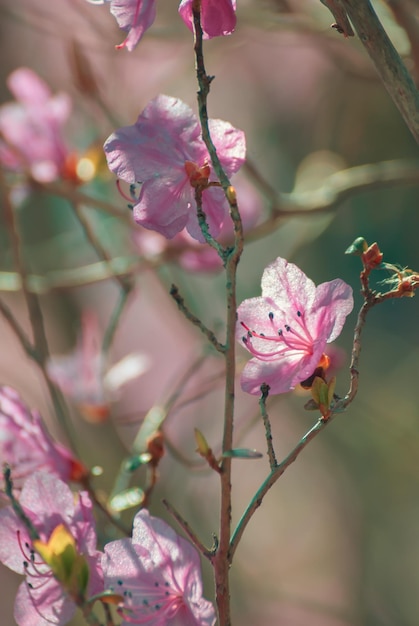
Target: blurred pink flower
(47, 502)
(288, 327)
(165, 152)
(31, 128)
(218, 17)
(158, 575)
(27, 446)
(84, 374)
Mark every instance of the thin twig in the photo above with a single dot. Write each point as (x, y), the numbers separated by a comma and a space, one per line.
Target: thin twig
(114, 320)
(174, 292)
(19, 332)
(268, 432)
(208, 553)
(337, 188)
(35, 315)
(96, 244)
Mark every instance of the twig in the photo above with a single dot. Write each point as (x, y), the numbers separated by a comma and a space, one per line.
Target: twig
(78, 277)
(208, 553)
(221, 561)
(268, 433)
(203, 224)
(387, 61)
(20, 513)
(335, 190)
(69, 192)
(96, 244)
(174, 292)
(279, 469)
(19, 332)
(35, 315)
(114, 320)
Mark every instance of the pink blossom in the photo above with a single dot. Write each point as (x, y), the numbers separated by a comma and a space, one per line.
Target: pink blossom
(160, 151)
(84, 374)
(47, 502)
(218, 17)
(192, 255)
(288, 327)
(31, 128)
(27, 446)
(134, 16)
(158, 575)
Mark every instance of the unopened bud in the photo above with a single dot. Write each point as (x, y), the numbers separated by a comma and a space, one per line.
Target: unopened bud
(357, 247)
(203, 448)
(231, 195)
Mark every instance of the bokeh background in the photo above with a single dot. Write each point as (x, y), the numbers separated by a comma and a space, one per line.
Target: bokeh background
(336, 542)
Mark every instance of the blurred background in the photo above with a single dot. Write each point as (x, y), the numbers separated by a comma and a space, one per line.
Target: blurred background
(336, 542)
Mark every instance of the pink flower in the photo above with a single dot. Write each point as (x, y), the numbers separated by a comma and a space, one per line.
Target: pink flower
(158, 575)
(32, 128)
(27, 446)
(47, 502)
(134, 16)
(288, 327)
(164, 151)
(218, 17)
(84, 375)
(191, 254)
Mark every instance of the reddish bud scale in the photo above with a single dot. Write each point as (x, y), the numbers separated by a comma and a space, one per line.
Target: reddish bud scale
(155, 447)
(372, 257)
(198, 176)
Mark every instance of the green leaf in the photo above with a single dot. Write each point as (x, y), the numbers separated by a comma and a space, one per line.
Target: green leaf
(243, 453)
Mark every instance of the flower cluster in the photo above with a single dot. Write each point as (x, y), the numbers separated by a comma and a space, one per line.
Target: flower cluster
(155, 577)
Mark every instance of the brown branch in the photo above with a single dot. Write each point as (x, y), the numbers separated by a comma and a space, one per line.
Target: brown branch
(387, 61)
(174, 292)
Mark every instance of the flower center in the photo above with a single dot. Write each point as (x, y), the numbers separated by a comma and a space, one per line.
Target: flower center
(144, 602)
(198, 176)
(289, 339)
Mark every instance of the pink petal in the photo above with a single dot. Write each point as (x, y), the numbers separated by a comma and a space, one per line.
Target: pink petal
(230, 143)
(43, 607)
(134, 16)
(218, 17)
(48, 498)
(288, 286)
(164, 204)
(332, 304)
(28, 87)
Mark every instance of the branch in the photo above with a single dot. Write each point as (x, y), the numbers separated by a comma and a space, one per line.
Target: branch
(335, 190)
(174, 292)
(268, 433)
(208, 553)
(387, 61)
